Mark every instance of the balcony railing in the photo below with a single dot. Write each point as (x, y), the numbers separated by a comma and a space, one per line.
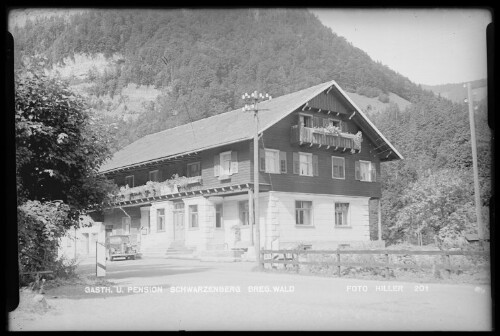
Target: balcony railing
(153, 189)
(321, 136)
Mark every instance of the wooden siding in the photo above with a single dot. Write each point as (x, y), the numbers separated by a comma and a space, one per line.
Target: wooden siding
(244, 163)
(330, 101)
(278, 137)
(206, 159)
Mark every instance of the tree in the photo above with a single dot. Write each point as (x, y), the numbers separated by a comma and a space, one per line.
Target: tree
(438, 206)
(59, 148)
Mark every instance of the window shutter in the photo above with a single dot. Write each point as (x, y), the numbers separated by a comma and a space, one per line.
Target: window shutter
(262, 159)
(296, 163)
(315, 165)
(234, 162)
(373, 172)
(216, 165)
(357, 172)
(283, 162)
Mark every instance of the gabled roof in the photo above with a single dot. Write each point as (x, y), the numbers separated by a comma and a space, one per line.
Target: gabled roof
(225, 128)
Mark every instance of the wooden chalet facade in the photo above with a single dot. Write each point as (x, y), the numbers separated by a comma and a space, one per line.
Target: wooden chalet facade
(319, 160)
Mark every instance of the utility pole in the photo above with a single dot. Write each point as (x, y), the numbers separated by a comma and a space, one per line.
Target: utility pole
(474, 165)
(252, 100)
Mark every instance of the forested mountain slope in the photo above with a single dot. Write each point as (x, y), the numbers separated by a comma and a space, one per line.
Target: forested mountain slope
(190, 64)
(457, 93)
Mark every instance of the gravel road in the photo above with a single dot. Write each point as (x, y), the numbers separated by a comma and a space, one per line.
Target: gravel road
(165, 294)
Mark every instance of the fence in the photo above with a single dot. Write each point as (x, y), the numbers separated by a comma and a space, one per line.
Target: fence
(292, 257)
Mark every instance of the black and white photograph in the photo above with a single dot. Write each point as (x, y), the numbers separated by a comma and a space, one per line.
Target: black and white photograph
(261, 169)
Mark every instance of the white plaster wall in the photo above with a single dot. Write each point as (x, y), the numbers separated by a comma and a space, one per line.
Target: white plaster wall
(157, 239)
(323, 228)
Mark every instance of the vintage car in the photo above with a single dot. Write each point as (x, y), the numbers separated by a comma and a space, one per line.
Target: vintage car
(120, 246)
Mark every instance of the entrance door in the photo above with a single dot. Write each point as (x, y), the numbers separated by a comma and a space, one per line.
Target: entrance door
(178, 213)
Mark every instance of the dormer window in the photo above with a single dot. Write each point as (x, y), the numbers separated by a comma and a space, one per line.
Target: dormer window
(129, 180)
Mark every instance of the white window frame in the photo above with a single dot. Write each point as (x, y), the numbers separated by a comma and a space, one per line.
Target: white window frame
(276, 159)
(133, 181)
(347, 216)
(309, 163)
(154, 172)
(369, 171)
(190, 214)
(343, 167)
(222, 171)
(198, 163)
(158, 217)
(311, 212)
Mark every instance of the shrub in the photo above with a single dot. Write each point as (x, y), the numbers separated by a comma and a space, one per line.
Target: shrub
(384, 98)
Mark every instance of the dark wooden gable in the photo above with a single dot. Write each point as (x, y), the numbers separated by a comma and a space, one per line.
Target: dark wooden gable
(329, 102)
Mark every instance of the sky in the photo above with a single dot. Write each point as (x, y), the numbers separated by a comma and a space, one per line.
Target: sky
(428, 46)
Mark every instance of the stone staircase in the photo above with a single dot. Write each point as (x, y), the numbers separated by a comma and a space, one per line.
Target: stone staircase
(178, 250)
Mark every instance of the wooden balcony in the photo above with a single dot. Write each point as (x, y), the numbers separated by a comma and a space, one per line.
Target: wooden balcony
(321, 137)
(156, 189)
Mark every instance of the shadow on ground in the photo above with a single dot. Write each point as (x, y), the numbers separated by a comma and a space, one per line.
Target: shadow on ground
(79, 292)
(150, 270)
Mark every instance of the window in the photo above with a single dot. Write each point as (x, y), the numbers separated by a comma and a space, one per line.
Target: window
(244, 213)
(218, 216)
(126, 225)
(303, 212)
(283, 162)
(225, 164)
(193, 169)
(305, 120)
(333, 122)
(153, 175)
(193, 216)
(160, 220)
(272, 161)
(129, 180)
(338, 167)
(365, 171)
(341, 214)
(305, 168)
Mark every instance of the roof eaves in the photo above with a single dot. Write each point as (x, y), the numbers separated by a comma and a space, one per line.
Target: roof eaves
(172, 156)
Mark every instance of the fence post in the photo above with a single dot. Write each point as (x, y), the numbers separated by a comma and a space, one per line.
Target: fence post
(387, 265)
(338, 260)
(448, 263)
(298, 261)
